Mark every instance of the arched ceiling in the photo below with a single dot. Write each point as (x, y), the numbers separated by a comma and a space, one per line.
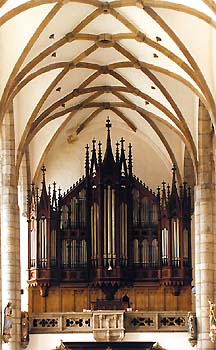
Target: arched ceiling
(68, 64)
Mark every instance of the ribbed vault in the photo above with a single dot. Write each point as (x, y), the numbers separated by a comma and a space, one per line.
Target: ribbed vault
(68, 64)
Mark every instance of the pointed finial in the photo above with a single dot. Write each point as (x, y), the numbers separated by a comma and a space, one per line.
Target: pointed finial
(87, 160)
(99, 152)
(49, 191)
(117, 152)
(54, 199)
(130, 160)
(59, 193)
(122, 142)
(93, 143)
(158, 193)
(168, 191)
(108, 124)
(43, 169)
(174, 172)
(37, 194)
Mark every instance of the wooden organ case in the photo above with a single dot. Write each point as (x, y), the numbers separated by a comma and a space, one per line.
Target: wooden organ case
(109, 242)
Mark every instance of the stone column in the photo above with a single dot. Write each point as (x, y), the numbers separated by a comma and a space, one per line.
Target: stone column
(0, 238)
(214, 210)
(204, 235)
(23, 181)
(10, 242)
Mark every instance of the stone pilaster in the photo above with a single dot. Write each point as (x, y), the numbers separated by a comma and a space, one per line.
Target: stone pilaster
(214, 209)
(0, 235)
(10, 241)
(23, 187)
(204, 234)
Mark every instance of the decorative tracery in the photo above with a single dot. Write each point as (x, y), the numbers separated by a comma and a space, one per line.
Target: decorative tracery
(110, 228)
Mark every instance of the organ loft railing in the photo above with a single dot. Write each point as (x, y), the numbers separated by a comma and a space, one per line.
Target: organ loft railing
(109, 229)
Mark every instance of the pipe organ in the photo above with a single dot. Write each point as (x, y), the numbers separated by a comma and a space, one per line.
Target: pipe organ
(109, 230)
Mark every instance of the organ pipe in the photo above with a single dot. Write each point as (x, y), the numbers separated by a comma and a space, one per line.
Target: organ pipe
(105, 227)
(164, 245)
(113, 224)
(33, 247)
(53, 247)
(175, 238)
(185, 244)
(123, 232)
(109, 219)
(94, 228)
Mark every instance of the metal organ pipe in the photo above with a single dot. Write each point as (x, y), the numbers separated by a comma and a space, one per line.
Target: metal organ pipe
(135, 251)
(95, 231)
(94, 224)
(73, 211)
(53, 247)
(154, 252)
(105, 226)
(64, 253)
(43, 243)
(185, 244)
(164, 246)
(175, 238)
(123, 232)
(145, 252)
(126, 234)
(113, 226)
(92, 232)
(175, 242)
(85, 261)
(33, 245)
(45, 240)
(125, 218)
(73, 253)
(39, 245)
(64, 217)
(109, 219)
(83, 252)
(109, 226)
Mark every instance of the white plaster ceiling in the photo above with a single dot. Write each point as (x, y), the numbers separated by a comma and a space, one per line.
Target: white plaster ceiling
(67, 64)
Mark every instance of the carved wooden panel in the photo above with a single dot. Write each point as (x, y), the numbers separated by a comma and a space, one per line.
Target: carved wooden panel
(80, 299)
(36, 301)
(53, 300)
(156, 299)
(76, 299)
(67, 300)
(141, 299)
(171, 300)
(184, 299)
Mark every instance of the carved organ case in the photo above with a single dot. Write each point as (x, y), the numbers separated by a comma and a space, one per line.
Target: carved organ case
(109, 233)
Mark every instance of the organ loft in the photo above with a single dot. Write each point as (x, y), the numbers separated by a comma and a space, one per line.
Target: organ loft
(109, 242)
